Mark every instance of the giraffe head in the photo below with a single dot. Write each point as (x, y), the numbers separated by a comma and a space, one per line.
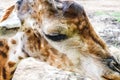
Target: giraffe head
(65, 25)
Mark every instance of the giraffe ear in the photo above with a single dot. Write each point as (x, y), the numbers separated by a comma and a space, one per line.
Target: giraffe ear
(7, 13)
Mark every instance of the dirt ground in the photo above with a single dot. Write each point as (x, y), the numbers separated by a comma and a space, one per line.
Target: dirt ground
(100, 5)
(103, 14)
(90, 5)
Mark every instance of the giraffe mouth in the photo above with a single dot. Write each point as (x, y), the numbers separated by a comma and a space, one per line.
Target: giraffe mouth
(113, 64)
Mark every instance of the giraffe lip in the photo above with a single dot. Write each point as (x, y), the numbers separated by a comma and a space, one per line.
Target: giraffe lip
(113, 64)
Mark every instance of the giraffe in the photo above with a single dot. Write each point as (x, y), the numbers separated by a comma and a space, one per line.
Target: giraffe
(59, 32)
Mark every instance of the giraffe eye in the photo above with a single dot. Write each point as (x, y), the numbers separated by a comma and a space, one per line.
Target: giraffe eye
(56, 37)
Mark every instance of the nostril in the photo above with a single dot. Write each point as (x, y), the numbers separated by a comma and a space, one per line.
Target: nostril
(113, 64)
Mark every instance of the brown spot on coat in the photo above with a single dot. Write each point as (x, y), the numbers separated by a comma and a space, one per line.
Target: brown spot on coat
(4, 48)
(3, 54)
(20, 57)
(7, 13)
(1, 43)
(13, 41)
(4, 73)
(11, 64)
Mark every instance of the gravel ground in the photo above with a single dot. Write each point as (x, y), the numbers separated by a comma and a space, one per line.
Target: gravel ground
(107, 27)
(105, 18)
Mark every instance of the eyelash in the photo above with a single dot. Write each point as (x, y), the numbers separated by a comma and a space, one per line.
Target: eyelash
(57, 37)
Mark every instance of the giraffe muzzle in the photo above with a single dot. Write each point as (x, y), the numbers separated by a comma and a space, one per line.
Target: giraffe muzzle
(113, 64)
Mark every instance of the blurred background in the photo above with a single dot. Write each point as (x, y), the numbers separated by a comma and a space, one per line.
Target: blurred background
(103, 14)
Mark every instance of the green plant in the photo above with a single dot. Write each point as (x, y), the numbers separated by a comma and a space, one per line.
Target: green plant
(116, 15)
(100, 13)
